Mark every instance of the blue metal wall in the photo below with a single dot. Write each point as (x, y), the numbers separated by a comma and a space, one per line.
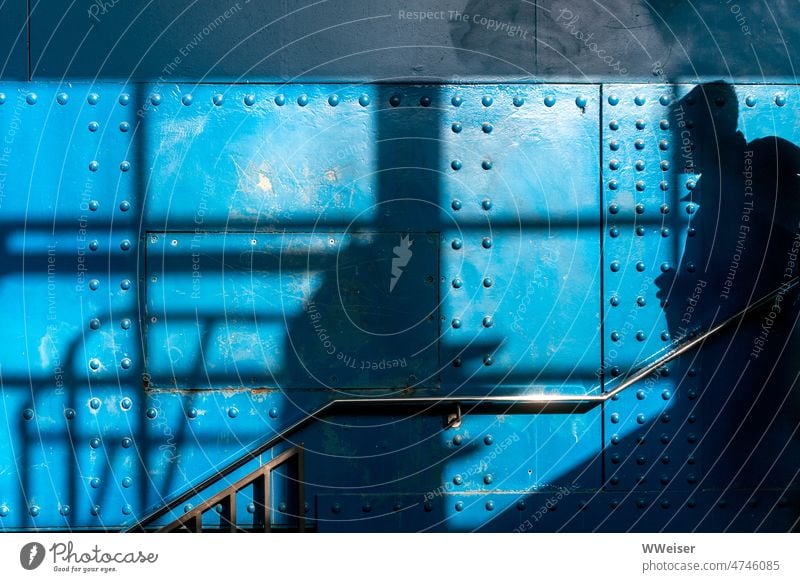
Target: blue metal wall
(190, 268)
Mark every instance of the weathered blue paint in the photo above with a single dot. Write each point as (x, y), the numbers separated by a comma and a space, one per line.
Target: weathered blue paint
(169, 251)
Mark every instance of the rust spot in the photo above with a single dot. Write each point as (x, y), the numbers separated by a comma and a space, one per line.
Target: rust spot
(331, 175)
(264, 184)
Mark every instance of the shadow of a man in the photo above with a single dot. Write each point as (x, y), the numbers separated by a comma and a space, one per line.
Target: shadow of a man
(742, 244)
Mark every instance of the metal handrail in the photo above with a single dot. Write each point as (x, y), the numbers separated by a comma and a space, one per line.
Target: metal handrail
(677, 348)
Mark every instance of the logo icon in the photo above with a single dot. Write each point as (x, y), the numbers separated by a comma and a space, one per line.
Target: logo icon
(402, 254)
(31, 555)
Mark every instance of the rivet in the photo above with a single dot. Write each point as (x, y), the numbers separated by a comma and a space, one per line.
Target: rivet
(127, 509)
(363, 100)
(641, 503)
(217, 99)
(69, 413)
(581, 101)
(302, 100)
(95, 510)
(4, 510)
(93, 126)
(250, 100)
(488, 440)
(664, 185)
(32, 98)
(639, 208)
(690, 184)
(486, 164)
(486, 242)
(549, 100)
(457, 283)
(218, 508)
(614, 145)
(692, 394)
(458, 439)
(459, 505)
(613, 185)
(691, 419)
(487, 321)
(456, 127)
(664, 165)
(125, 363)
(640, 336)
(456, 165)
(34, 510)
(640, 185)
(94, 403)
(615, 439)
(124, 206)
(456, 205)
(613, 208)
(690, 267)
(639, 144)
(457, 243)
(780, 99)
(614, 504)
(615, 336)
(664, 124)
(191, 413)
(487, 127)
(125, 403)
(665, 232)
(640, 100)
(457, 363)
(94, 166)
(489, 505)
(614, 301)
(125, 284)
(366, 508)
(94, 323)
(614, 164)
(425, 101)
(640, 266)
(273, 412)
(125, 166)
(27, 414)
(280, 100)
(94, 205)
(615, 417)
(394, 100)
(94, 364)
(665, 439)
(186, 100)
(126, 442)
(64, 510)
(2, 98)
(663, 145)
(692, 438)
(125, 245)
(640, 124)
(94, 245)
(94, 482)
(488, 361)
(664, 100)
(518, 101)
(750, 101)
(233, 412)
(691, 208)
(487, 100)
(640, 395)
(125, 323)
(456, 323)
(640, 230)
(614, 480)
(488, 282)
(520, 505)
(155, 99)
(640, 419)
(615, 371)
(151, 413)
(614, 266)
(613, 100)
(93, 98)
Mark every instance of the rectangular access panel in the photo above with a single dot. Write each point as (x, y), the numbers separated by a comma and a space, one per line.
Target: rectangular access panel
(291, 310)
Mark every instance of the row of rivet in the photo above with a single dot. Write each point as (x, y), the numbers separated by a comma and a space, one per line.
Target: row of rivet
(779, 99)
(63, 98)
(124, 126)
(64, 510)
